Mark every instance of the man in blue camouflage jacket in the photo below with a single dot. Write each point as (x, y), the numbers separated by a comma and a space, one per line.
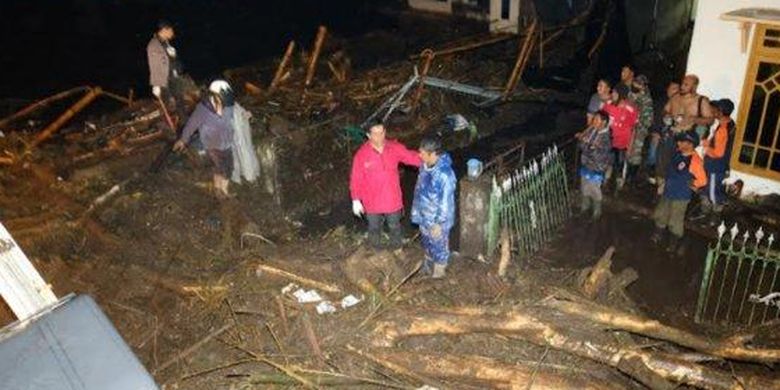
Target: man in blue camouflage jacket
(433, 209)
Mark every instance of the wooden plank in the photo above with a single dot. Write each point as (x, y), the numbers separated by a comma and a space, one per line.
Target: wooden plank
(21, 286)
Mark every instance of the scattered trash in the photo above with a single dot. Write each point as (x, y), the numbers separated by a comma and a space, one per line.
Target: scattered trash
(325, 307)
(350, 301)
(304, 296)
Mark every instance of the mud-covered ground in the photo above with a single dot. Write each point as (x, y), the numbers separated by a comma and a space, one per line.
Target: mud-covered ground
(172, 266)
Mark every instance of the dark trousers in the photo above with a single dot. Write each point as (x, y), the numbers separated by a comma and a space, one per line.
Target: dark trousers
(375, 222)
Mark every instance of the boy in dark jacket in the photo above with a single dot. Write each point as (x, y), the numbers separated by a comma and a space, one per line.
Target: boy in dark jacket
(684, 177)
(595, 146)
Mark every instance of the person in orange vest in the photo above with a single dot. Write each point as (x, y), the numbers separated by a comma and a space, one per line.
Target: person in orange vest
(717, 154)
(685, 176)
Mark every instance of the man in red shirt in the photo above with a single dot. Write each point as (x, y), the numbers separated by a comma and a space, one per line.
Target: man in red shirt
(623, 116)
(375, 185)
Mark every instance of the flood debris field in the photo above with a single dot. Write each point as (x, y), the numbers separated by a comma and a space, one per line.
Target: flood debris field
(234, 295)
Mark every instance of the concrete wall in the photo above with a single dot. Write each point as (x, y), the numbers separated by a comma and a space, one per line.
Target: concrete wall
(716, 57)
(444, 7)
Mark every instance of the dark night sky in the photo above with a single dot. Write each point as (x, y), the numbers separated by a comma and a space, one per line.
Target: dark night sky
(56, 44)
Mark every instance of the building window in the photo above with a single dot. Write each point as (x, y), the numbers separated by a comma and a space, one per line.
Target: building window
(757, 147)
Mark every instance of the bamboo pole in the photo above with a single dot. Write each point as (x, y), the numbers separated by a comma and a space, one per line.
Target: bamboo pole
(282, 66)
(427, 59)
(522, 59)
(40, 104)
(327, 287)
(470, 46)
(312, 67)
(66, 116)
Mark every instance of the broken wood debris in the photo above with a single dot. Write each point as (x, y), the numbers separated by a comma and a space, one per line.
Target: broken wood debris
(327, 287)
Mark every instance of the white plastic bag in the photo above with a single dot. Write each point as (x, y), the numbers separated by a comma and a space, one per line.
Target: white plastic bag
(245, 162)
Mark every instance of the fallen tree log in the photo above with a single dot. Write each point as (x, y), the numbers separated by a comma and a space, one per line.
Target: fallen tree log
(40, 104)
(531, 325)
(491, 372)
(613, 319)
(598, 276)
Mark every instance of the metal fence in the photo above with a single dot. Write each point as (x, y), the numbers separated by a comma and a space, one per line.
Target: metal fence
(530, 203)
(739, 284)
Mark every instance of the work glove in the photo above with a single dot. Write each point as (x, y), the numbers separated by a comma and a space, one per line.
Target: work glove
(357, 208)
(171, 51)
(156, 91)
(435, 231)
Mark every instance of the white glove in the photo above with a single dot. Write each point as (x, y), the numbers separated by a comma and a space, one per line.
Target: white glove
(357, 208)
(156, 91)
(171, 51)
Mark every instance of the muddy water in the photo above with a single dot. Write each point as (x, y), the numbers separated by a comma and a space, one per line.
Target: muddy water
(667, 286)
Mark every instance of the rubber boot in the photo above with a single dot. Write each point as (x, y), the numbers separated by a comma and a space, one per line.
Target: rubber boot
(658, 235)
(596, 211)
(439, 270)
(674, 244)
(427, 267)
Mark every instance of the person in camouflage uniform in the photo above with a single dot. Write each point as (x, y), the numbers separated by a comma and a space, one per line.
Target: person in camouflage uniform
(640, 95)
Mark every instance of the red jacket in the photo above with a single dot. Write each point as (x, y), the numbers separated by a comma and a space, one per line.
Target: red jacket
(375, 181)
(622, 119)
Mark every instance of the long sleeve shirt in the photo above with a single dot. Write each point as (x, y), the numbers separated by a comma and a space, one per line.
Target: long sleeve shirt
(216, 132)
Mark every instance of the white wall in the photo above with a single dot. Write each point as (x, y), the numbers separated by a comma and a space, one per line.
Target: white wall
(716, 57)
(432, 5)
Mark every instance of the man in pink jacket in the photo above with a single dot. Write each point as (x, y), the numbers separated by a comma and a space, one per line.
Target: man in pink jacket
(375, 185)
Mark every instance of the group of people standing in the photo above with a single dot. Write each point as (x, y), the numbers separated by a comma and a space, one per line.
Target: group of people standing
(375, 187)
(682, 144)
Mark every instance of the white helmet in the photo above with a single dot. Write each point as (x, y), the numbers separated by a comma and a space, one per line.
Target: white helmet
(219, 86)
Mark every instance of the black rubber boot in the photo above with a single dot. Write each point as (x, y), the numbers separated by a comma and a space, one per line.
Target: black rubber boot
(674, 244)
(658, 235)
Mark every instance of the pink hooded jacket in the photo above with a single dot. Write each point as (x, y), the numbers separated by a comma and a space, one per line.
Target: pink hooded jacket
(375, 180)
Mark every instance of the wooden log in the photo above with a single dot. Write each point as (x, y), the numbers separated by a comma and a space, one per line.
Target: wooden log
(398, 368)
(490, 372)
(312, 66)
(530, 326)
(282, 66)
(599, 275)
(522, 59)
(52, 128)
(40, 104)
(427, 58)
(614, 319)
(252, 89)
(327, 287)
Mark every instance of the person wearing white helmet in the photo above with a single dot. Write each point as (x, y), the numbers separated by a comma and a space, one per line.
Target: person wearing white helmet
(213, 119)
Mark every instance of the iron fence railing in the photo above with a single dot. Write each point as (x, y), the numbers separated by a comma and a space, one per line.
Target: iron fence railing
(530, 203)
(739, 284)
